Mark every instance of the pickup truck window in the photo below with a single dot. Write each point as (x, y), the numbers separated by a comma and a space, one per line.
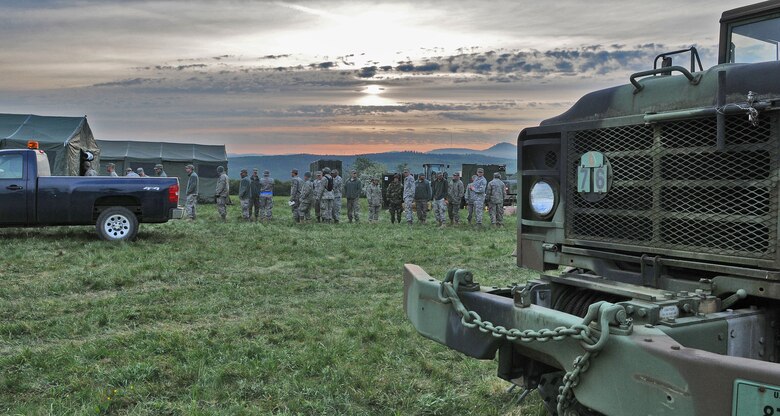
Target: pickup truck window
(11, 166)
(756, 41)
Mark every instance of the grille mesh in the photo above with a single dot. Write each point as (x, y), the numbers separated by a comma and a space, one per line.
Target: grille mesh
(671, 188)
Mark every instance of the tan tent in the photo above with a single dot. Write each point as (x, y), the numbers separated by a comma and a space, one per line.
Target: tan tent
(66, 140)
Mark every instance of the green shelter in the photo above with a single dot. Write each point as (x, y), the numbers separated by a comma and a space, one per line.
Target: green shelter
(173, 156)
(66, 140)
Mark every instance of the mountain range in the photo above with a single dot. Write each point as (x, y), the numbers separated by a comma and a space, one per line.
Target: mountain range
(281, 165)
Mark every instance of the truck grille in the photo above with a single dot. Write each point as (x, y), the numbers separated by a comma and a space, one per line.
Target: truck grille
(671, 189)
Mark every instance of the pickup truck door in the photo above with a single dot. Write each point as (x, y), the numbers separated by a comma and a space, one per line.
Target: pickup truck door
(13, 192)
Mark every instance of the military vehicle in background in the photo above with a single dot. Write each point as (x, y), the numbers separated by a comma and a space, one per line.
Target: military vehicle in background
(470, 169)
(324, 163)
(433, 169)
(661, 198)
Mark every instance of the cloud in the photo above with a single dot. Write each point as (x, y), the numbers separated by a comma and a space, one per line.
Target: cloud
(128, 82)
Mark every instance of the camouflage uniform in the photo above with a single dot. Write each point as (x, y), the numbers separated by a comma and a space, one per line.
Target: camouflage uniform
(408, 195)
(478, 192)
(254, 190)
(221, 193)
(495, 193)
(422, 194)
(338, 184)
(470, 199)
(374, 197)
(307, 198)
(192, 193)
(454, 198)
(326, 197)
(245, 195)
(440, 191)
(317, 185)
(352, 190)
(295, 195)
(159, 172)
(395, 200)
(266, 196)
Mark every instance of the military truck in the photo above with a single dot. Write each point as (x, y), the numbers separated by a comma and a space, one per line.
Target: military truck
(326, 163)
(660, 197)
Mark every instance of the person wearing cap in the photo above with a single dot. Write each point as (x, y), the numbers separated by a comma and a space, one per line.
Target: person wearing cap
(221, 192)
(159, 172)
(440, 190)
(326, 196)
(409, 186)
(454, 197)
(395, 199)
(266, 196)
(317, 189)
(422, 195)
(88, 171)
(255, 194)
(191, 203)
(306, 198)
(295, 194)
(338, 186)
(374, 197)
(469, 196)
(495, 193)
(478, 193)
(130, 174)
(352, 190)
(111, 169)
(245, 194)
(140, 172)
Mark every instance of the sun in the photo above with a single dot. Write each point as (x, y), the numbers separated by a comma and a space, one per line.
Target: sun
(373, 89)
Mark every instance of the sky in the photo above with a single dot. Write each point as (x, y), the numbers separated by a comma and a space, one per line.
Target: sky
(332, 77)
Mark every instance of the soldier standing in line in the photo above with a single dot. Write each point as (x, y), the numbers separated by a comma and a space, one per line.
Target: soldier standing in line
(454, 197)
(140, 172)
(245, 194)
(266, 196)
(306, 199)
(326, 196)
(409, 186)
(470, 198)
(191, 192)
(374, 197)
(422, 194)
(352, 190)
(111, 169)
(495, 193)
(295, 195)
(254, 190)
(440, 191)
(317, 188)
(130, 174)
(159, 172)
(89, 171)
(338, 184)
(221, 193)
(478, 189)
(395, 198)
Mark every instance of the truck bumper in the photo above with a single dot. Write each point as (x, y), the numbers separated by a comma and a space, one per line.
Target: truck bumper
(177, 213)
(643, 371)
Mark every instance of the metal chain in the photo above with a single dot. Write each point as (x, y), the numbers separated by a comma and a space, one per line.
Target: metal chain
(582, 332)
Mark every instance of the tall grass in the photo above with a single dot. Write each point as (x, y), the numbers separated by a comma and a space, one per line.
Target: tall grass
(238, 318)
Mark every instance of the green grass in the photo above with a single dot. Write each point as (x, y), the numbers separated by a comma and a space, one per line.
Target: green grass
(239, 318)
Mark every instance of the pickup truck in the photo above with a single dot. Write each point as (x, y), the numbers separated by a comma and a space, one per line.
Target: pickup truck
(30, 197)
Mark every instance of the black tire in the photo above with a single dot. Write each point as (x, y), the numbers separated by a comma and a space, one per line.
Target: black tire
(117, 224)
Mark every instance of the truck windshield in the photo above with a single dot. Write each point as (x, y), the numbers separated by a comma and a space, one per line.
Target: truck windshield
(757, 41)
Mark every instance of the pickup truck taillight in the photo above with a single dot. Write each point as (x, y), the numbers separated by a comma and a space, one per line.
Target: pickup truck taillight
(173, 194)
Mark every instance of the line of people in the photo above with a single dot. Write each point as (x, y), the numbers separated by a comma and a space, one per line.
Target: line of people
(324, 192)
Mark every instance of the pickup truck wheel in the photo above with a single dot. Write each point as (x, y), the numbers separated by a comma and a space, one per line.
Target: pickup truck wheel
(117, 224)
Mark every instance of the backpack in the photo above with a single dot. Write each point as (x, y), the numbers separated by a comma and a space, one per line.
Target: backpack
(329, 186)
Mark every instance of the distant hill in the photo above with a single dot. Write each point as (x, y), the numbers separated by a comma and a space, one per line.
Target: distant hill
(501, 150)
(281, 165)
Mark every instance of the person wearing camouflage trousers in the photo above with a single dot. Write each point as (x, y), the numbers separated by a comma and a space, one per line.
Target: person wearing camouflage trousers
(295, 194)
(192, 191)
(306, 199)
(255, 194)
(245, 194)
(495, 193)
(440, 191)
(326, 196)
(317, 188)
(395, 198)
(409, 186)
(374, 197)
(454, 197)
(222, 192)
(352, 190)
(266, 196)
(338, 184)
(478, 192)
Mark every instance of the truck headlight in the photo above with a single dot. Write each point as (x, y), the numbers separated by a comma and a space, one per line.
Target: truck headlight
(543, 198)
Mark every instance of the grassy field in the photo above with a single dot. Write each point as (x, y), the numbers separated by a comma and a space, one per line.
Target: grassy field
(239, 318)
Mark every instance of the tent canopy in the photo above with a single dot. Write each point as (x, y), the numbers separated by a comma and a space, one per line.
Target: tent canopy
(65, 139)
